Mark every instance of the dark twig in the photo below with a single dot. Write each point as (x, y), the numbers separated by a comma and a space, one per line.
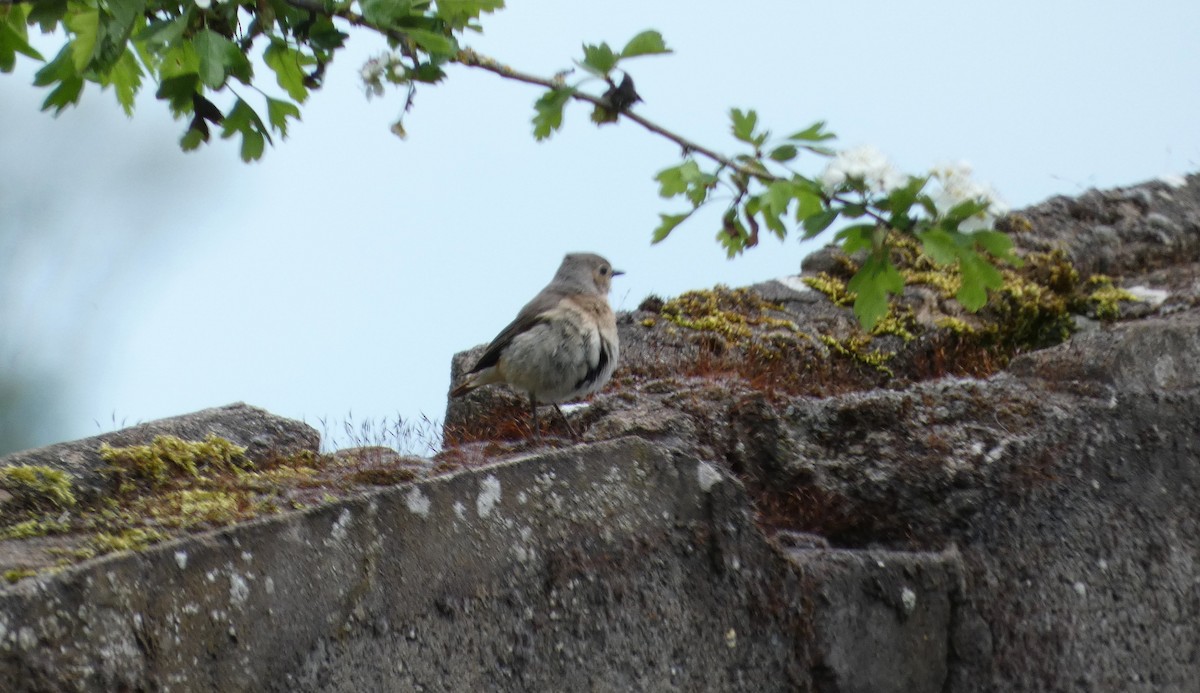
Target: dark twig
(470, 58)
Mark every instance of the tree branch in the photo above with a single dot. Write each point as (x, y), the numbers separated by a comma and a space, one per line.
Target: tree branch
(470, 58)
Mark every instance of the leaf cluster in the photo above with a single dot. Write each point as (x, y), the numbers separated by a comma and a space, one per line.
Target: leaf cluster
(599, 62)
(198, 53)
(762, 189)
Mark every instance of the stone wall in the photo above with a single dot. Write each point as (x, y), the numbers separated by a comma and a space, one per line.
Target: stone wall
(620, 565)
(1034, 529)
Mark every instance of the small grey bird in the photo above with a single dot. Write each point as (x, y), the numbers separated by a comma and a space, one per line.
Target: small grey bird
(563, 343)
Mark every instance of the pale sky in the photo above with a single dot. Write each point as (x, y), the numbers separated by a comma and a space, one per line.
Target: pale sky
(340, 274)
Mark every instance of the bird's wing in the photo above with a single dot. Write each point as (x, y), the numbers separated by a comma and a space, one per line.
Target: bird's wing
(593, 372)
(532, 314)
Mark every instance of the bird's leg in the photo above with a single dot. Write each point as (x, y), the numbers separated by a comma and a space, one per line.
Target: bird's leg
(537, 432)
(574, 435)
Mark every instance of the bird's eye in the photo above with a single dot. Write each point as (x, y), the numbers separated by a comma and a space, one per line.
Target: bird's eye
(603, 270)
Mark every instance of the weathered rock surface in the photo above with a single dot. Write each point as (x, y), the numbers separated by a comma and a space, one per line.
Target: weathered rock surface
(616, 566)
(259, 431)
(1069, 483)
(1123, 231)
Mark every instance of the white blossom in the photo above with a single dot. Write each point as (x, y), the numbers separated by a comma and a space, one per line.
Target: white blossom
(865, 164)
(956, 187)
(382, 69)
(372, 76)
(204, 4)
(372, 70)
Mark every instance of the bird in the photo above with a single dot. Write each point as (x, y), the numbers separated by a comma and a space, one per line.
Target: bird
(563, 343)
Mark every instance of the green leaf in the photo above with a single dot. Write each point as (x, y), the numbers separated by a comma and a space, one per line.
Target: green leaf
(84, 25)
(287, 64)
(47, 13)
(242, 119)
(125, 77)
(62, 71)
(323, 35)
(648, 42)
(117, 19)
(808, 202)
(998, 244)
(963, 211)
(279, 111)
(668, 224)
(772, 205)
(733, 234)
(219, 57)
(178, 92)
(179, 59)
(816, 149)
(429, 73)
(66, 93)
(856, 237)
(192, 139)
(779, 195)
(459, 13)
(670, 180)
(699, 184)
(56, 70)
(816, 223)
(743, 124)
(941, 245)
(549, 112)
(686, 178)
(124, 12)
(901, 200)
(387, 14)
(927, 203)
(433, 42)
(599, 60)
(872, 283)
(162, 32)
(854, 211)
(14, 39)
(783, 153)
(978, 275)
(253, 144)
(814, 133)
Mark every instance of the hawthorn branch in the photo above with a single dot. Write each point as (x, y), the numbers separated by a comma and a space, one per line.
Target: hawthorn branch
(470, 58)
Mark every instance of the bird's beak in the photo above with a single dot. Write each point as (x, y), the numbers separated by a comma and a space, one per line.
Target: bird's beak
(617, 273)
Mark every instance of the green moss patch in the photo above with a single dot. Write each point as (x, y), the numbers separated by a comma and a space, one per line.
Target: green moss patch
(926, 333)
(163, 490)
(36, 487)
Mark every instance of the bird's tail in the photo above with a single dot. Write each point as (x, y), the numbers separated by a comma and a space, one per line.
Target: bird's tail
(470, 382)
(477, 379)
